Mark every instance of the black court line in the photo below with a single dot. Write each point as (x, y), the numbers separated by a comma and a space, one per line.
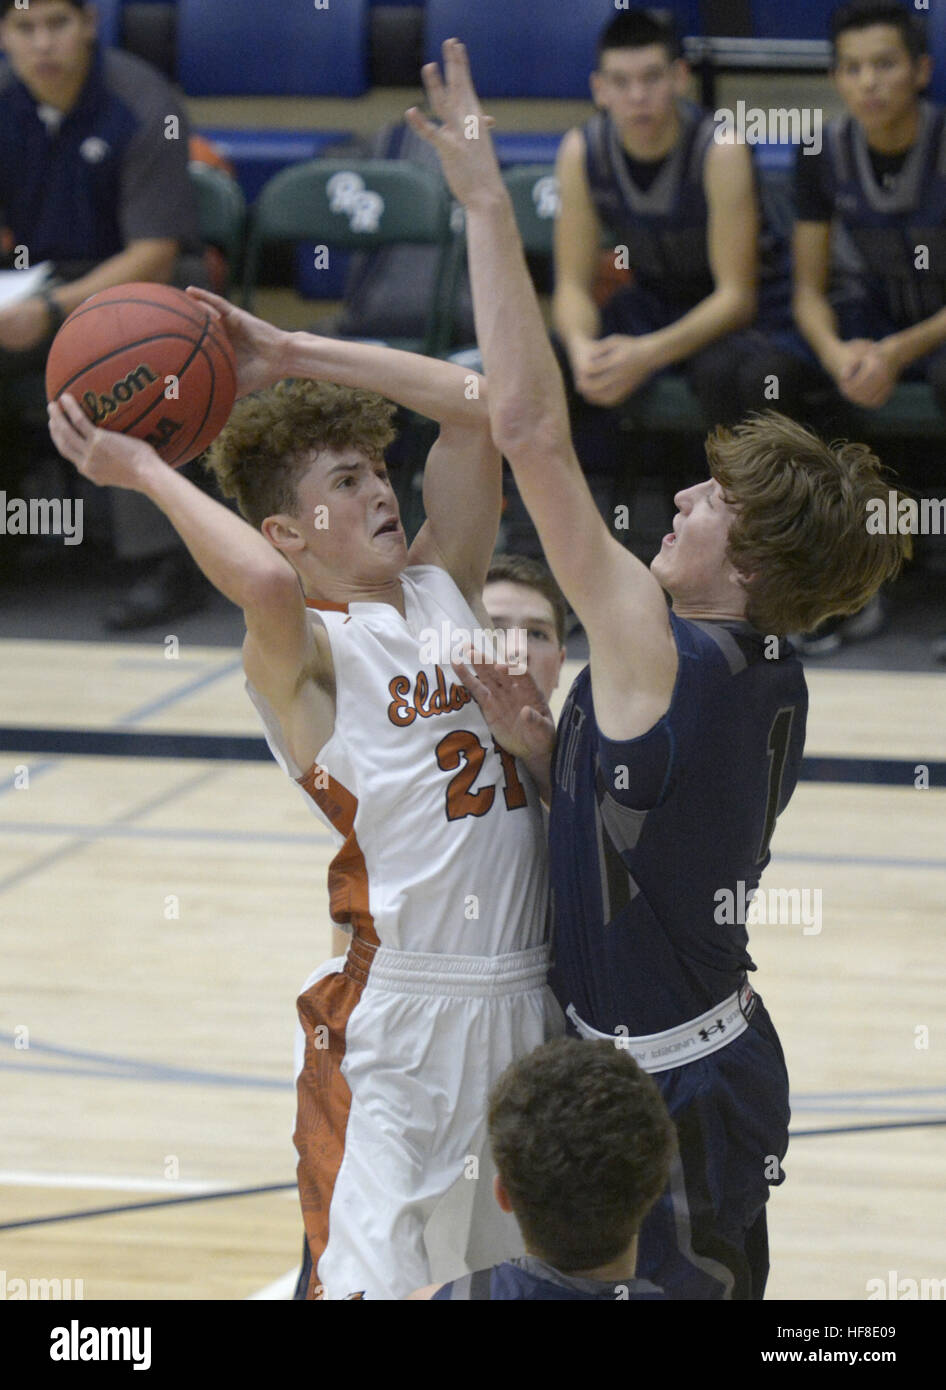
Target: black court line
(289, 1186)
(145, 1206)
(121, 743)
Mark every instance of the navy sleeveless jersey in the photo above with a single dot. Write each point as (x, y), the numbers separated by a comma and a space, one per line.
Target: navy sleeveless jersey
(647, 836)
(887, 225)
(665, 226)
(530, 1279)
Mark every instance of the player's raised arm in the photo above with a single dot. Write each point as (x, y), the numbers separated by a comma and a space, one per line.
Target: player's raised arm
(633, 656)
(463, 477)
(236, 559)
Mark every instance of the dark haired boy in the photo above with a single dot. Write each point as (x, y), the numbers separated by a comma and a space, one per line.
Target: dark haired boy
(582, 1144)
(93, 178)
(880, 180)
(649, 171)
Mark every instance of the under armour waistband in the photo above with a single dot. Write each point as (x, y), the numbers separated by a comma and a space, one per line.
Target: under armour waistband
(657, 1052)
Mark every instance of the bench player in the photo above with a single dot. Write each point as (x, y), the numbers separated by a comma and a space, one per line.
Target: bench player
(682, 740)
(441, 870)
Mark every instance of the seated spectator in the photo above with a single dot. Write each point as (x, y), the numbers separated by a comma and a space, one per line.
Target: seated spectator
(647, 171)
(879, 182)
(582, 1144)
(93, 178)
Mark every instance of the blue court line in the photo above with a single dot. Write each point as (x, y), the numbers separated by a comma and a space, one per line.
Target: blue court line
(135, 1068)
(122, 743)
(864, 1129)
(848, 1107)
(146, 1206)
(107, 1064)
(863, 861)
(133, 832)
(142, 712)
(868, 1095)
(115, 830)
(887, 772)
(116, 742)
(80, 842)
(125, 1207)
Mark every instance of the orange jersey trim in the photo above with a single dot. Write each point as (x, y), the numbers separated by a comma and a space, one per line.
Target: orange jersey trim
(348, 891)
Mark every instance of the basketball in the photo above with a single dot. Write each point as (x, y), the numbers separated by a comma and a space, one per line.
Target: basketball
(149, 361)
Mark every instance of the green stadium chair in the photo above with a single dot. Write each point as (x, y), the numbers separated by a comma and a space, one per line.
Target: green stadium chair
(355, 205)
(221, 210)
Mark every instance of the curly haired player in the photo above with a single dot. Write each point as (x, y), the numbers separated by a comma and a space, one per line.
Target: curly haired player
(441, 867)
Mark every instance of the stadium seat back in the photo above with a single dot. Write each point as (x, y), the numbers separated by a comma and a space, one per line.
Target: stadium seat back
(109, 27)
(354, 205)
(221, 209)
(520, 49)
(293, 48)
(802, 19)
(535, 200)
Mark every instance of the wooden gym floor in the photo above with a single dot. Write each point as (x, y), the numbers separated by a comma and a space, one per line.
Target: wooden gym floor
(160, 913)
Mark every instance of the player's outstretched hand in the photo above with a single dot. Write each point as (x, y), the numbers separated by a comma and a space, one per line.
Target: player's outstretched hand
(259, 347)
(103, 456)
(513, 706)
(462, 137)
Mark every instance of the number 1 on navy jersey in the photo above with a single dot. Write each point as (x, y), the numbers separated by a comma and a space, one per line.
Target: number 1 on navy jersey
(779, 734)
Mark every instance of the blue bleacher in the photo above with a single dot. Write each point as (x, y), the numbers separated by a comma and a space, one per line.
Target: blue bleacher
(256, 155)
(289, 49)
(522, 49)
(802, 19)
(109, 28)
(936, 32)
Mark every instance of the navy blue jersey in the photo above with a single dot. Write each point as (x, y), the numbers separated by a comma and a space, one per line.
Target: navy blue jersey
(885, 217)
(665, 225)
(530, 1279)
(79, 188)
(647, 836)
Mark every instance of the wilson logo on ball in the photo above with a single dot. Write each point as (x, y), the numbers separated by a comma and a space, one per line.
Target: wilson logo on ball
(99, 408)
(119, 350)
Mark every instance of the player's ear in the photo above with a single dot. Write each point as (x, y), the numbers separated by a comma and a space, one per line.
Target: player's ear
(596, 83)
(284, 533)
(501, 1195)
(681, 77)
(922, 72)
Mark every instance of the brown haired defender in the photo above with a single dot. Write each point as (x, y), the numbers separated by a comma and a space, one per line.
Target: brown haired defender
(800, 535)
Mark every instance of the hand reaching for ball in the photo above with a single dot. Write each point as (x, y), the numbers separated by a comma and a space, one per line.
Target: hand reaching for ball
(259, 347)
(103, 456)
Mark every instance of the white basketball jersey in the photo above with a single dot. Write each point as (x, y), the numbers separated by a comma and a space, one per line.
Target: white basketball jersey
(441, 834)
